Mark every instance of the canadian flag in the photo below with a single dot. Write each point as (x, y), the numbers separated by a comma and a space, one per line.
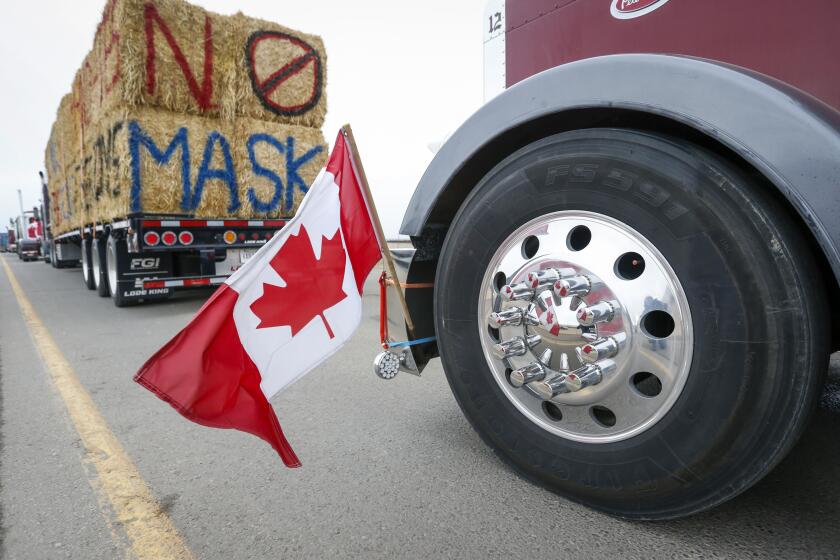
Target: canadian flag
(290, 307)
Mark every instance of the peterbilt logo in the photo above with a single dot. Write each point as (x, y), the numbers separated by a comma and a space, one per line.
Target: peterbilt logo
(628, 9)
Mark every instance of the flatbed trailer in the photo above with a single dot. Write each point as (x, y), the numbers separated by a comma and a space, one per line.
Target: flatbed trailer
(147, 257)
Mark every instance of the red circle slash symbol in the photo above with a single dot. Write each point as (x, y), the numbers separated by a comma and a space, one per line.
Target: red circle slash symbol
(266, 86)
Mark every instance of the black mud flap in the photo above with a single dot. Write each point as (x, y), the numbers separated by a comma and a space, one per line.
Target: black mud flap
(136, 268)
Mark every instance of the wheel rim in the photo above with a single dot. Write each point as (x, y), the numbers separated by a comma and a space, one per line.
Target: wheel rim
(610, 311)
(94, 261)
(85, 263)
(111, 265)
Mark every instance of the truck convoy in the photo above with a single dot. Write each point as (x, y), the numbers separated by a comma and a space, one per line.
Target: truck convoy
(185, 141)
(634, 246)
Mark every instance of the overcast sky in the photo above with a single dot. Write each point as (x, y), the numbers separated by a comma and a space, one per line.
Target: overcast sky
(403, 74)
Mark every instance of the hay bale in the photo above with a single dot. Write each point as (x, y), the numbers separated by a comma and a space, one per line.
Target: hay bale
(159, 53)
(172, 55)
(276, 164)
(143, 156)
(140, 157)
(281, 73)
(63, 154)
(165, 73)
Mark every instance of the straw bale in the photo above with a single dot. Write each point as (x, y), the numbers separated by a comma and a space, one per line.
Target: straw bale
(129, 172)
(276, 164)
(135, 176)
(281, 73)
(54, 172)
(202, 63)
(63, 154)
(178, 66)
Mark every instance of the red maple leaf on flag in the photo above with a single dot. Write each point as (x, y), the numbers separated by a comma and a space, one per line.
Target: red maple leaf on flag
(312, 285)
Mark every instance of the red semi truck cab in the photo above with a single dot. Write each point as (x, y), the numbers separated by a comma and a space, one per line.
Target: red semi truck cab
(783, 40)
(628, 259)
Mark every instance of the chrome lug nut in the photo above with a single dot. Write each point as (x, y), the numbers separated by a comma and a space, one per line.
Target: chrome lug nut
(507, 318)
(531, 317)
(598, 350)
(564, 363)
(518, 346)
(532, 372)
(544, 300)
(547, 277)
(550, 388)
(574, 286)
(588, 375)
(516, 292)
(601, 312)
(545, 358)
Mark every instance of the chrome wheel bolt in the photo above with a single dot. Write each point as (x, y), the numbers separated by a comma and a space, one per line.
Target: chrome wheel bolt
(588, 375)
(527, 374)
(547, 277)
(598, 350)
(545, 358)
(564, 363)
(550, 388)
(601, 312)
(516, 347)
(545, 301)
(507, 318)
(574, 286)
(516, 292)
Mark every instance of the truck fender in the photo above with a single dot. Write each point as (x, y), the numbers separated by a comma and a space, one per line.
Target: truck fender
(788, 136)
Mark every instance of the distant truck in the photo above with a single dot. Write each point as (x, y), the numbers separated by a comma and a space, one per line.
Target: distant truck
(28, 232)
(635, 246)
(4, 241)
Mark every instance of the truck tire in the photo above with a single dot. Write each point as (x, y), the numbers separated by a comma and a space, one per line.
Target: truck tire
(686, 301)
(115, 257)
(87, 269)
(97, 265)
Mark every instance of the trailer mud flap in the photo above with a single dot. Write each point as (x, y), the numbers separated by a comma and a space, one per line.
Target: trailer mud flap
(136, 268)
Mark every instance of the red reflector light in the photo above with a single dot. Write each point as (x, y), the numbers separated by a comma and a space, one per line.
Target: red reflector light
(241, 237)
(169, 238)
(255, 236)
(186, 238)
(151, 238)
(269, 235)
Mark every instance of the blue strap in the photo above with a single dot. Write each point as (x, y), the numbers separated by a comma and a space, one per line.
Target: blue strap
(412, 342)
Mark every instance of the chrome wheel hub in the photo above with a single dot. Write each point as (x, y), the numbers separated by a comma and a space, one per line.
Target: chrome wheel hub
(85, 265)
(94, 263)
(111, 265)
(585, 327)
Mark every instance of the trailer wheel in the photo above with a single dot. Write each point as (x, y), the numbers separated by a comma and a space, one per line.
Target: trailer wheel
(97, 268)
(87, 265)
(114, 257)
(631, 321)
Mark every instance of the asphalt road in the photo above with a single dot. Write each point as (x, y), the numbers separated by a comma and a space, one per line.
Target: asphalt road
(390, 469)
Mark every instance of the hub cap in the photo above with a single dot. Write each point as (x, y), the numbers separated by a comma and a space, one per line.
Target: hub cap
(85, 264)
(585, 327)
(111, 265)
(94, 262)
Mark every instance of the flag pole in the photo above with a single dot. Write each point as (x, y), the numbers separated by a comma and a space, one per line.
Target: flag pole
(377, 225)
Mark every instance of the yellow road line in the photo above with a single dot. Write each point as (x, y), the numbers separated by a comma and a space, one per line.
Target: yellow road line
(147, 526)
